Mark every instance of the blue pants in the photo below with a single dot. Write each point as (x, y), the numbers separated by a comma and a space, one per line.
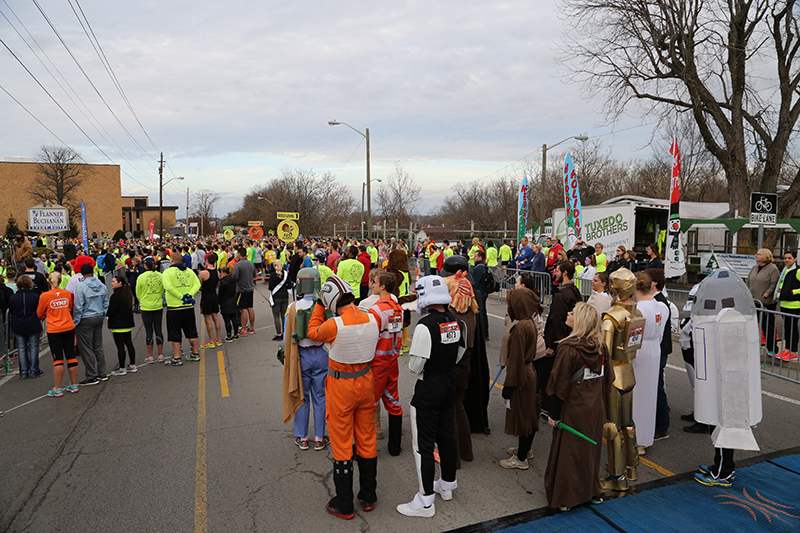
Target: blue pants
(314, 367)
(28, 346)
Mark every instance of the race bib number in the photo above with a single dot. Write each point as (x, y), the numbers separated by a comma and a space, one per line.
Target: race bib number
(635, 336)
(395, 323)
(588, 374)
(450, 332)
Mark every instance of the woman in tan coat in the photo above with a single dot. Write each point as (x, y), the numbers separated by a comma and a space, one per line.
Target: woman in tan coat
(762, 282)
(519, 389)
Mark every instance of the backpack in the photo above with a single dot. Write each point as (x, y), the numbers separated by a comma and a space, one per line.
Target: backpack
(101, 261)
(490, 283)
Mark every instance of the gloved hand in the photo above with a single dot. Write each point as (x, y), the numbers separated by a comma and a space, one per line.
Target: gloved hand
(507, 392)
(188, 300)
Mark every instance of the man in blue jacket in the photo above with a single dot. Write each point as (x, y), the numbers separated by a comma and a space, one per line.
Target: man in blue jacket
(91, 304)
(524, 256)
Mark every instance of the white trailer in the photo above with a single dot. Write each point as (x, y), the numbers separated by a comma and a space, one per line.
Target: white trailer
(618, 221)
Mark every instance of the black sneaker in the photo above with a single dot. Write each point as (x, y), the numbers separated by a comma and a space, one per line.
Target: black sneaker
(102, 377)
(193, 357)
(660, 435)
(92, 381)
(697, 427)
(228, 339)
(688, 418)
(174, 362)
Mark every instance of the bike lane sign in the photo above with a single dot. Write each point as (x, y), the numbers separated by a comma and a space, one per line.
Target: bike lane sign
(763, 208)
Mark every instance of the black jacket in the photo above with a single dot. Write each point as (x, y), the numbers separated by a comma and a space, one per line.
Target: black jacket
(790, 283)
(120, 315)
(274, 280)
(226, 292)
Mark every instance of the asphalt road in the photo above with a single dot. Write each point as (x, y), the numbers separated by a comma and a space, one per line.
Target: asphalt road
(202, 447)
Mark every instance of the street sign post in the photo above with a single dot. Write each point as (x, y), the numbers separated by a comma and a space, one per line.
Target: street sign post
(764, 212)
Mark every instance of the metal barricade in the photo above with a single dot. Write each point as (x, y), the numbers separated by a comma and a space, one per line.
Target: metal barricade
(783, 361)
(542, 281)
(8, 350)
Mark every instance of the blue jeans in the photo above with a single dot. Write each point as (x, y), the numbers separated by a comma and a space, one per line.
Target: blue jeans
(314, 366)
(28, 354)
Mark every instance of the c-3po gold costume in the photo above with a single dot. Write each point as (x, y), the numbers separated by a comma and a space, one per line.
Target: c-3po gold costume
(623, 329)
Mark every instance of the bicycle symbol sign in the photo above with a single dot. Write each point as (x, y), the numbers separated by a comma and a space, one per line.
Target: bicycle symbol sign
(764, 208)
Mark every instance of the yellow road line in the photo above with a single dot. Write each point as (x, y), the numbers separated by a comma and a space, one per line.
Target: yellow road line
(223, 378)
(658, 468)
(200, 490)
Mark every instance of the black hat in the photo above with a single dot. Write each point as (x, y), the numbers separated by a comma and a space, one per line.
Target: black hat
(453, 264)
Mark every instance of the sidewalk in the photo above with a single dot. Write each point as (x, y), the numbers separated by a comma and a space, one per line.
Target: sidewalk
(765, 496)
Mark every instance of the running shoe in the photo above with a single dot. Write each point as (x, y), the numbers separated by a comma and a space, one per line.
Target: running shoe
(72, 388)
(713, 481)
(229, 338)
(193, 357)
(55, 393)
(513, 462)
(161, 358)
(149, 360)
(301, 443)
(102, 377)
(174, 362)
(336, 512)
(251, 331)
(514, 450)
(321, 444)
(93, 381)
(236, 338)
(242, 333)
(119, 372)
(209, 344)
(446, 495)
(132, 368)
(706, 469)
(367, 506)
(788, 356)
(218, 342)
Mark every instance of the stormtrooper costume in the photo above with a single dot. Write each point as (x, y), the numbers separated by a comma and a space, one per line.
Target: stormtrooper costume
(439, 342)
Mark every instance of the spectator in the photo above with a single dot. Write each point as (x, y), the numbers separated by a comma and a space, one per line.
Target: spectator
(38, 279)
(55, 307)
(120, 322)
(600, 298)
(278, 297)
(91, 304)
(618, 261)
(538, 263)
(600, 258)
(762, 282)
(552, 254)
(788, 293)
(524, 256)
(655, 259)
(365, 259)
(26, 326)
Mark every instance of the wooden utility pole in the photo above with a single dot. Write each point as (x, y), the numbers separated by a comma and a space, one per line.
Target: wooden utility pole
(187, 211)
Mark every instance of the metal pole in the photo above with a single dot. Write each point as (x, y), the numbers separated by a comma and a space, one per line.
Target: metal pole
(362, 207)
(187, 211)
(544, 190)
(161, 196)
(369, 193)
(760, 237)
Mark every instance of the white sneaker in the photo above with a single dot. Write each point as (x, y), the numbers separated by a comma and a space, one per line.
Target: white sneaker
(513, 462)
(417, 507)
(149, 359)
(132, 368)
(446, 494)
(161, 358)
(514, 450)
(119, 372)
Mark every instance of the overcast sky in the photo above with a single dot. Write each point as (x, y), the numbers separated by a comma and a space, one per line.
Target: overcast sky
(233, 91)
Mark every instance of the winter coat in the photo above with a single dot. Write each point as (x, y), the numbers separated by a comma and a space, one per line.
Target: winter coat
(22, 312)
(91, 299)
(120, 315)
(226, 292)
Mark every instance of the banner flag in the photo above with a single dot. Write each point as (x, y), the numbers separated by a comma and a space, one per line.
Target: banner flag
(152, 228)
(674, 257)
(84, 229)
(572, 204)
(522, 210)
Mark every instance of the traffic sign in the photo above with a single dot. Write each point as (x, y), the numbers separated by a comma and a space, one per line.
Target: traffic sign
(288, 216)
(255, 222)
(763, 208)
(228, 234)
(288, 231)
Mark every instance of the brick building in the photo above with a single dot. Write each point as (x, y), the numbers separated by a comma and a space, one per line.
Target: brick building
(137, 214)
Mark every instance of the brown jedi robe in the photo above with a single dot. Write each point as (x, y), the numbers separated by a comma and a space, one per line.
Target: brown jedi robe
(292, 375)
(573, 468)
(523, 416)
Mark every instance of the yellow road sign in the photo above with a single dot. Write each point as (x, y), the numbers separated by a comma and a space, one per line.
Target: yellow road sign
(255, 222)
(288, 231)
(228, 234)
(288, 216)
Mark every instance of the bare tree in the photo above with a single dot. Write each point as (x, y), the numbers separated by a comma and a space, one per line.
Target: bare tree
(398, 196)
(707, 58)
(60, 171)
(204, 202)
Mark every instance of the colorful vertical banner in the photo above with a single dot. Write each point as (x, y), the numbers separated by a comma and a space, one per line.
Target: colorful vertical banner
(522, 210)
(674, 258)
(152, 228)
(572, 203)
(84, 229)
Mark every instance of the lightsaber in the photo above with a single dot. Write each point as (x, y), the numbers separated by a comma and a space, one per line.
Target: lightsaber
(496, 378)
(562, 425)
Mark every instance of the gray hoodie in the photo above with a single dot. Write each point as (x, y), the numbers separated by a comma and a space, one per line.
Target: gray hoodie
(91, 299)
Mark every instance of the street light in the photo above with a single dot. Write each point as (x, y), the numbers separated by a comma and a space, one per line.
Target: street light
(161, 202)
(363, 184)
(267, 199)
(369, 193)
(582, 138)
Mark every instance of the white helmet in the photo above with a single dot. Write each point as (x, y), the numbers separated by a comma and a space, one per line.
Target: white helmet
(332, 292)
(431, 290)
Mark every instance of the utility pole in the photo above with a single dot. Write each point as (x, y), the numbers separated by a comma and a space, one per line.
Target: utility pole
(187, 211)
(161, 197)
(369, 192)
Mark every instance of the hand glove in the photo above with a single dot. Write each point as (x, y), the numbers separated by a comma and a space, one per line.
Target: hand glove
(188, 300)
(507, 392)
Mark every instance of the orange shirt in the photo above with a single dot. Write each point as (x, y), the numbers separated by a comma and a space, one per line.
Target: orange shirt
(56, 306)
(322, 330)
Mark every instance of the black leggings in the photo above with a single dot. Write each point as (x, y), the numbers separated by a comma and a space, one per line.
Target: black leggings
(232, 323)
(122, 340)
(524, 445)
(62, 346)
(790, 332)
(152, 320)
